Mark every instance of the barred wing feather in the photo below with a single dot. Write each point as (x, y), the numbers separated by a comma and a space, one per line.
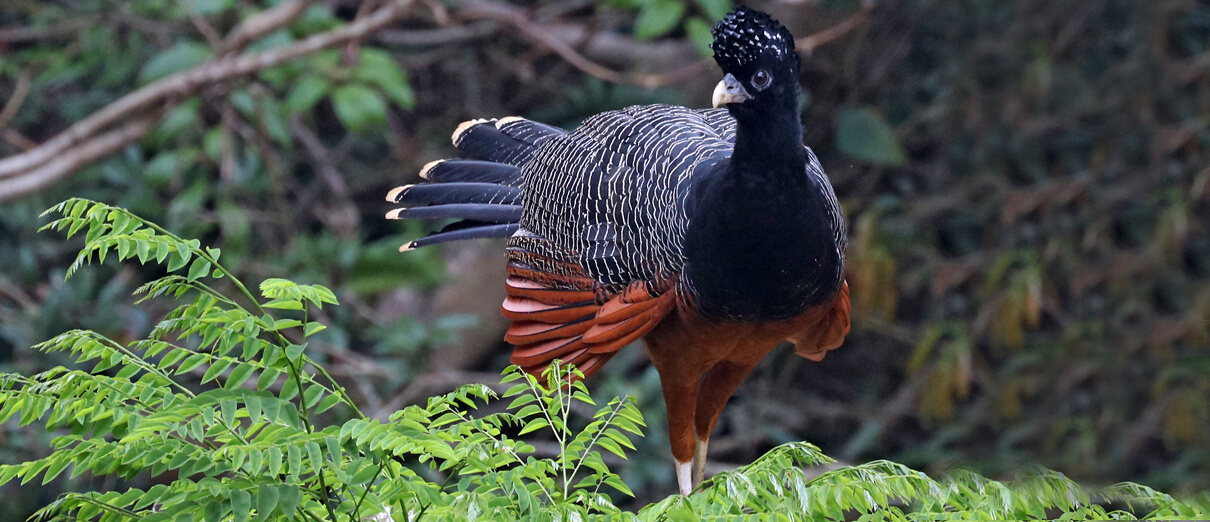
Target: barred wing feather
(604, 215)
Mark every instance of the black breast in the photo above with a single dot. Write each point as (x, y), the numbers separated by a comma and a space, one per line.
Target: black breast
(758, 250)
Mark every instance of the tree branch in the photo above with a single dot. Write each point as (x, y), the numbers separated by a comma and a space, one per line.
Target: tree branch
(808, 44)
(12, 35)
(562, 41)
(263, 23)
(440, 36)
(20, 90)
(94, 149)
(168, 91)
(516, 17)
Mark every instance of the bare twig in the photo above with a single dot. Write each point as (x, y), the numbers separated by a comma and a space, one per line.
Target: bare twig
(18, 140)
(516, 17)
(17, 294)
(441, 15)
(561, 44)
(85, 153)
(322, 158)
(354, 46)
(344, 216)
(202, 25)
(227, 163)
(808, 44)
(14, 103)
(12, 35)
(263, 23)
(162, 30)
(168, 91)
(441, 36)
(622, 51)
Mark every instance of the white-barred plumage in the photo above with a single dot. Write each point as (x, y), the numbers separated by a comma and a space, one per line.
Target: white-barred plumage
(713, 235)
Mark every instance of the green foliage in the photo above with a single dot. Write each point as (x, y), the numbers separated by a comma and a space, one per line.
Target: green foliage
(1066, 131)
(1036, 256)
(223, 404)
(658, 18)
(174, 59)
(864, 135)
(232, 164)
(248, 440)
(359, 107)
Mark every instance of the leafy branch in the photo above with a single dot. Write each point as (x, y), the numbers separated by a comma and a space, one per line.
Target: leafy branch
(252, 438)
(92, 138)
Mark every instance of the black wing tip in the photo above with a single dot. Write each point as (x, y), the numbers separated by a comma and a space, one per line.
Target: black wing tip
(464, 127)
(396, 193)
(476, 232)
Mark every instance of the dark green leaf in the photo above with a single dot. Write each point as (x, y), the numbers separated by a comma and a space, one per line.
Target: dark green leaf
(180, 118)
(294, 350)
(287, 499)
(314, 328)
(209, 7)
(199, 269)
(241, 504)
(864, 135)
(714, 9)
(364, 475)
(192, 362)
(284, 304)
(294, 461)
(699, 32)
(282, 324)
(174, 59)
(267, 378)
(239, 375)
(178, 261)
(380, 69)
(306, 93)
(359, 107)
(657, 18)
(266, 501)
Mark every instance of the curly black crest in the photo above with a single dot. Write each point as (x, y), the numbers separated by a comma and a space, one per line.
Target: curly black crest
(747, 36)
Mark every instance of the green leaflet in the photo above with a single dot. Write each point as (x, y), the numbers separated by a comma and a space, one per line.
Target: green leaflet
(180, 405)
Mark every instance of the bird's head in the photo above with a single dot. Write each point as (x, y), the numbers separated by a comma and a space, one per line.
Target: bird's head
(760, 65)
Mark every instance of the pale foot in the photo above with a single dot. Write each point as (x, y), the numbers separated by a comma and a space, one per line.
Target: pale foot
(683, 477)
(699, 462)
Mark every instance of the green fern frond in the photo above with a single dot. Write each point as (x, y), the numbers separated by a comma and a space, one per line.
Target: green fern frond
(221, 404)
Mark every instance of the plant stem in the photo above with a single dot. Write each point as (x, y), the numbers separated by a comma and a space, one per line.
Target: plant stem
(357, 506)
(598, 434)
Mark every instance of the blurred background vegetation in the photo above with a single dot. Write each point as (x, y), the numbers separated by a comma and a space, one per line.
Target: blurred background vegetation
(1027, 185)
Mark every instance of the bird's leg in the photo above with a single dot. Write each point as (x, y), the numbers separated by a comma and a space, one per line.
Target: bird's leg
(716, 388)
(680, 397)
(684, 483)
(699, 460)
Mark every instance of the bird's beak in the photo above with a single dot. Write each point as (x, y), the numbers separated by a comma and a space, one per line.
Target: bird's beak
(729, 90)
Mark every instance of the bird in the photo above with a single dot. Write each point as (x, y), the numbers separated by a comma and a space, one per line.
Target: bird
(713, 235)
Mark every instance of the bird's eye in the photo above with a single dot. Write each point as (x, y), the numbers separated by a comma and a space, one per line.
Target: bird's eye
(761, 79)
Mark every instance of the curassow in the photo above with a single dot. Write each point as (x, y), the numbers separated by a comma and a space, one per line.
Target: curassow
(714, 235)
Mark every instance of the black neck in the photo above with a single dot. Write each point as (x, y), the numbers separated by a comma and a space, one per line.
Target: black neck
(769, 139)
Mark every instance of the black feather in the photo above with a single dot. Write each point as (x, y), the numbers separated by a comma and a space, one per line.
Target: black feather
(464, 224)
(528, 131)
(458, 192)
(483, 141)
(475, 211)
(474, 171)
(479, 232)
